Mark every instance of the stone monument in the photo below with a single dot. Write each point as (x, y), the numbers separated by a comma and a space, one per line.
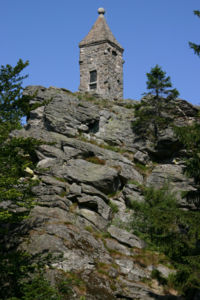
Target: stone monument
(101, 61)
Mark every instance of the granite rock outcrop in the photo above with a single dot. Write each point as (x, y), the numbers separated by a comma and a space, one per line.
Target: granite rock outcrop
(89, 170)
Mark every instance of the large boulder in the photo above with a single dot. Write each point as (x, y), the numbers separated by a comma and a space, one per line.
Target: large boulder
(81, 171)
(125, 237)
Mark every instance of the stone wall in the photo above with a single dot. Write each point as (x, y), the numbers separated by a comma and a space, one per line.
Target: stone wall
(108, 61)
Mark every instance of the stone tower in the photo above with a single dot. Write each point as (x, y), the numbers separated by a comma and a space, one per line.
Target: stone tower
(101, 61)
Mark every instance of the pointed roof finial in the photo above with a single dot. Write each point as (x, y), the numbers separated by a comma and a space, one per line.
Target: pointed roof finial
(100, 32)
(101, 11)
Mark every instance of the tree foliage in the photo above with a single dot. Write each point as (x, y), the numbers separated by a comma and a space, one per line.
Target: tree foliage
(40, 289)
(173, 231)
(190, 138)
(16, 198)
(149, 118)
(158, 83)
(12, 104)
(194, 46)
(17, 153)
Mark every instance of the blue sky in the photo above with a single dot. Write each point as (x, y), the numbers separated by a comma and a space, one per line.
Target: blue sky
(47, 33)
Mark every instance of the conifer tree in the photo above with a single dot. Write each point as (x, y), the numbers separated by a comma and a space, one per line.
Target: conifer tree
(11, 99)
(19, 277)
(15, 187)
(15, 154)
(194, 46)
(158, 83)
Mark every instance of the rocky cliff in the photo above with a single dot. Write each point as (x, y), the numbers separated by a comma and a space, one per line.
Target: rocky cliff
(93, 162)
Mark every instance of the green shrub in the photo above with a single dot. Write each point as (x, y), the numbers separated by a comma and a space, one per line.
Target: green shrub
(40, 289)
(113, 207)
(155, 274)
(148, 118)
(129, 106)
(189, 136)
(175, 232)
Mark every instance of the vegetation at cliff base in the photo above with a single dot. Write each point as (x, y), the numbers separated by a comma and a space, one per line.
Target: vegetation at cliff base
(175, 232)
(190, 138)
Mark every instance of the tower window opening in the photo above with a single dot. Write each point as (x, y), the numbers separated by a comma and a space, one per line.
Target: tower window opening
(93, 86)
(93, 80)
(114, 53)
(93, 76)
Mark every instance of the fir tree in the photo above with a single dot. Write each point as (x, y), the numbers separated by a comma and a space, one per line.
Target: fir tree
(158, 83)
(12, 103)
(194, 46)
(16, 154)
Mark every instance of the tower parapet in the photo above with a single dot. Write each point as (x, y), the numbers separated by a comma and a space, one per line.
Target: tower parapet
(101, 61)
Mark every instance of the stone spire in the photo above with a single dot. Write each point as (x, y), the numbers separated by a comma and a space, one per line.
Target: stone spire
(100, 32)
(101, 61)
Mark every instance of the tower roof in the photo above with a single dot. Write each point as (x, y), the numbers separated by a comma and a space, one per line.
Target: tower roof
(100, 33)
